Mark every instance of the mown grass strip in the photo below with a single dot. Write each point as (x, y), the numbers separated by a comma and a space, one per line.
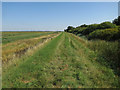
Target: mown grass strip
(29, 70)
(99, 75)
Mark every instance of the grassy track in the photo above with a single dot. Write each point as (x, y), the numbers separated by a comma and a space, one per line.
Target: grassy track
(62, 62)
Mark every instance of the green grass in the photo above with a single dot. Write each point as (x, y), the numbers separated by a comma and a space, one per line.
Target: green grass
(8, 37)
(18, 48)
(108, 53)
(63, 62)
(32, 64)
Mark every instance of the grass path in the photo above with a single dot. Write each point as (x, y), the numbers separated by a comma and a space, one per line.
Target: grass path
(63, 62)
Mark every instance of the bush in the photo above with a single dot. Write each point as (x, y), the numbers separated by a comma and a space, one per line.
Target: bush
(106, 25)
(94, 27)
(80, 30)
(117, 21)
(90, 29)
(108, 52)
(69, 28)
(107, 34)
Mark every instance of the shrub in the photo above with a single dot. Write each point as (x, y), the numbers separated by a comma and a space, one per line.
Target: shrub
(90, 29)
(84, 25)
(107, 34)
(108, 52)
(94, 27)
(106, 25)
(117, 21)
(69, 28)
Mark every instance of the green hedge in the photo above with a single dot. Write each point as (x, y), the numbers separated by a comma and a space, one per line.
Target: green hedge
(106, 34)
(94, 27)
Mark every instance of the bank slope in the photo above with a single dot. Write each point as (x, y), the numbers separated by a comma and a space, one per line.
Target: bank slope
(63, 62)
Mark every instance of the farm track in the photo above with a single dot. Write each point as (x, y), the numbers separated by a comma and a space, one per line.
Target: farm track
(62, 62)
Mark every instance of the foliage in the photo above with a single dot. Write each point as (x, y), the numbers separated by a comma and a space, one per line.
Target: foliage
(90, 29)
(84, 25)
(107, 34)
(104, 31)
(108, 53)
(69, 29)
(95, 27)
(116, 21)
(106, 25)
(64, 62)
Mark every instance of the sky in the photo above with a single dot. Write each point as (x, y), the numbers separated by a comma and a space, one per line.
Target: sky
(60, 0)
(119, 8)
(55, 16)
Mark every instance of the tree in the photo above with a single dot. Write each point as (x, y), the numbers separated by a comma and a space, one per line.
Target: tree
(84, 25)
(69, 28)
(116, 21)
(106, 25)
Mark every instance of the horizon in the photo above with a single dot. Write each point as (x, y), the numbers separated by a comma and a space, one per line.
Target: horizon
(55, 16)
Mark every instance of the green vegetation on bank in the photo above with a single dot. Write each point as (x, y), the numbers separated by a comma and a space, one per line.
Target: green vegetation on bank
(104, 31)
(104, 39)
(88, 59)
(64, 62)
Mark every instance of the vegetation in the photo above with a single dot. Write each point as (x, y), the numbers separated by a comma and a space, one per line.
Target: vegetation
(20, 47)
(104, 39)
(117, 21)
(8, 37)
(104, 31)
(106, 34)
(64, 62)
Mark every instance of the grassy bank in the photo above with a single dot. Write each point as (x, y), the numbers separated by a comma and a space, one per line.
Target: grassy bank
(29, 66)
(18, 48)
(108, 53)
(65, 61)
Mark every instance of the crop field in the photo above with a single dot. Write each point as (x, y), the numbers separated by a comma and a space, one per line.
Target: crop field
(8, 37)
(15, 44)
(55, 60)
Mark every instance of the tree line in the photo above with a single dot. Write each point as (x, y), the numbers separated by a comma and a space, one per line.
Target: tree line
(109, 31)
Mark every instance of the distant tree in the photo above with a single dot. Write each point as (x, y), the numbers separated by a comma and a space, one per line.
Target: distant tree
(119, 20)
(116, 21)
(90, 29)
(106, 34)
(69, 28)
(84, 25)
(106, 25)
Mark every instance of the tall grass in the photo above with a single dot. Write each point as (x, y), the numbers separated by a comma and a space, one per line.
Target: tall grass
(108, 53)
(19, 48)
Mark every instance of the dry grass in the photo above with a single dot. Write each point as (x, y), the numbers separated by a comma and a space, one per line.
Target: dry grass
(16, 49)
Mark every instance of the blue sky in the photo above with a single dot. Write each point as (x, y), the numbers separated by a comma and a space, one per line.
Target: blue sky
(119, 8)
(53, 16)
